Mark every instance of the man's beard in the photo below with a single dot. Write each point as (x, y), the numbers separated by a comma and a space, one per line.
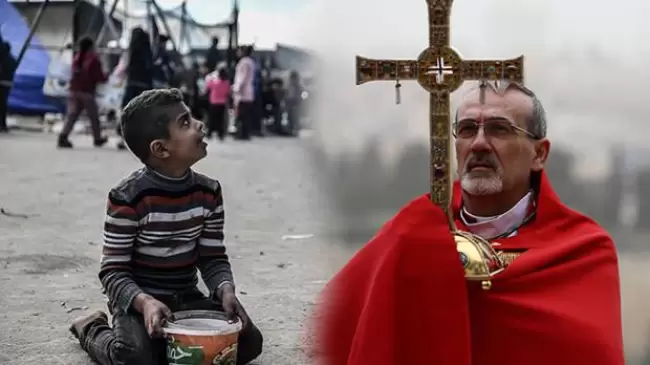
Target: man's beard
(484, 182)
(481, 185)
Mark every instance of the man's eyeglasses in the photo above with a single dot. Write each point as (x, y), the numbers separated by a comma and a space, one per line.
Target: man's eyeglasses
(499, 128)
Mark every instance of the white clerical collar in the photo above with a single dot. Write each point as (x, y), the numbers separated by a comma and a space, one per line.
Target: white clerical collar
(491, 227)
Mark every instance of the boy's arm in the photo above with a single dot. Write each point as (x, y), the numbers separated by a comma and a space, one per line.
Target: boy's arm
(120, 230)
(213, 260)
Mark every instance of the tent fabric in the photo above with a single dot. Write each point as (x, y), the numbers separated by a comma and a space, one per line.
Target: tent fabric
(26, 95)
(195, 32)
(292, 58)
(176, 12)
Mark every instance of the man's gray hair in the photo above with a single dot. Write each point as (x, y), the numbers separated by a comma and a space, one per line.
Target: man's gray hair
(536, 124)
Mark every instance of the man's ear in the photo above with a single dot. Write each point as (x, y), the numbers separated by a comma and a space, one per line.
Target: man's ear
(158, 149)
(542, 148)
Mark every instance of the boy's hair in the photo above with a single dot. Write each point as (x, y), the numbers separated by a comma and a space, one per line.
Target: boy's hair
(145, 118)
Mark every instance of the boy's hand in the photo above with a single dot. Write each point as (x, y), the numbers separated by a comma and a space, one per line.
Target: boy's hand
(232, 306)
(154, 312)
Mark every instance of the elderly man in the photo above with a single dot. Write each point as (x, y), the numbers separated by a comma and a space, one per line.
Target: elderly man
(403, 299)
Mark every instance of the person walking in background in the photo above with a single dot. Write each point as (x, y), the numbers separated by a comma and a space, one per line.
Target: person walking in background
(213, 56)
(293, 101)
(136, 67)
(191, 90)
(218, 90)
(87, 73)
(163, 67)
(244, 93)
(257, 128)
(8, 66)
(274, 101)
(203, 97)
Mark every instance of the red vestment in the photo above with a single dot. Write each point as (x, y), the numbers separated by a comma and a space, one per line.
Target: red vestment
(403, 298)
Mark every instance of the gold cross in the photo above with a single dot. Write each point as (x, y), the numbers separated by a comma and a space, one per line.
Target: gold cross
(439, 70)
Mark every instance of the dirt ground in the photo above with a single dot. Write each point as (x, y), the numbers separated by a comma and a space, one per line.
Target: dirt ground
(50, 234)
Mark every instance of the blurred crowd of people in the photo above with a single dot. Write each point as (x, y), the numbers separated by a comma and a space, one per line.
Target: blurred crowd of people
(246, 94)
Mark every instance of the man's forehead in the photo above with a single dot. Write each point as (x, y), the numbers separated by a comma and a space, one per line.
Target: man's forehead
(511, 103)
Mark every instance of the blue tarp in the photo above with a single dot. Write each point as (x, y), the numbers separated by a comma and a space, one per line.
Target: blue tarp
(27, 93)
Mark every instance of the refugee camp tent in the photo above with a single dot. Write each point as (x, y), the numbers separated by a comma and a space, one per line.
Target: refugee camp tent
(26, 95)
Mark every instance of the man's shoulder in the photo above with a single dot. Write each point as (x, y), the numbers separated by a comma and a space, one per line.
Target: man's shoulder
(567, 228)
(419, 231)
(554, 212)
(130, 187)
(583, 225)
(417, 215)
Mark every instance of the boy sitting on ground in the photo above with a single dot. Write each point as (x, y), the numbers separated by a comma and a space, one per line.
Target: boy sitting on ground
(163, 222)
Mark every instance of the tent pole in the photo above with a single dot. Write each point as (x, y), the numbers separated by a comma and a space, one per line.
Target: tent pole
(182, 39)
(108, 22)
(161, 14)
(233, 36)
(76, 23)
(32, 31)
(150, 21)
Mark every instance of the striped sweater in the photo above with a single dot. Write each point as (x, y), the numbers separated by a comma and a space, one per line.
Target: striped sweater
(158, 231)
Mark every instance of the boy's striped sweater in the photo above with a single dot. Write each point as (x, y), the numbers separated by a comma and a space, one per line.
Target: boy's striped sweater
(158, 231)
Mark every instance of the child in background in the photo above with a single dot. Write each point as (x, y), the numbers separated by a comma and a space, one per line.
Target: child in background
(218, 91)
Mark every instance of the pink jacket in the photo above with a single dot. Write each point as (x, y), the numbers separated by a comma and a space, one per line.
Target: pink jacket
(218, 90)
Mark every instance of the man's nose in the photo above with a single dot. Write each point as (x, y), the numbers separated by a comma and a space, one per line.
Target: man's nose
(480, 141)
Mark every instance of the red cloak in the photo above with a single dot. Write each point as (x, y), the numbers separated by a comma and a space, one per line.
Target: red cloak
(403, 298)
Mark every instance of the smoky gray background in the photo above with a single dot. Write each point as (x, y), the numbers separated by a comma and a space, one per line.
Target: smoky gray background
(585, 59)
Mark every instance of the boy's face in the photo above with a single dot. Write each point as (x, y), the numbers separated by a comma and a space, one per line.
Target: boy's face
(185, 145)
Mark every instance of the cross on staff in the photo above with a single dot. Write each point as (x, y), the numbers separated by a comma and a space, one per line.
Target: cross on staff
(440, 70)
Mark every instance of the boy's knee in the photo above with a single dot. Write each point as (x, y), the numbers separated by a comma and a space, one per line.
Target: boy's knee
(257, 341)
(250, 345)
